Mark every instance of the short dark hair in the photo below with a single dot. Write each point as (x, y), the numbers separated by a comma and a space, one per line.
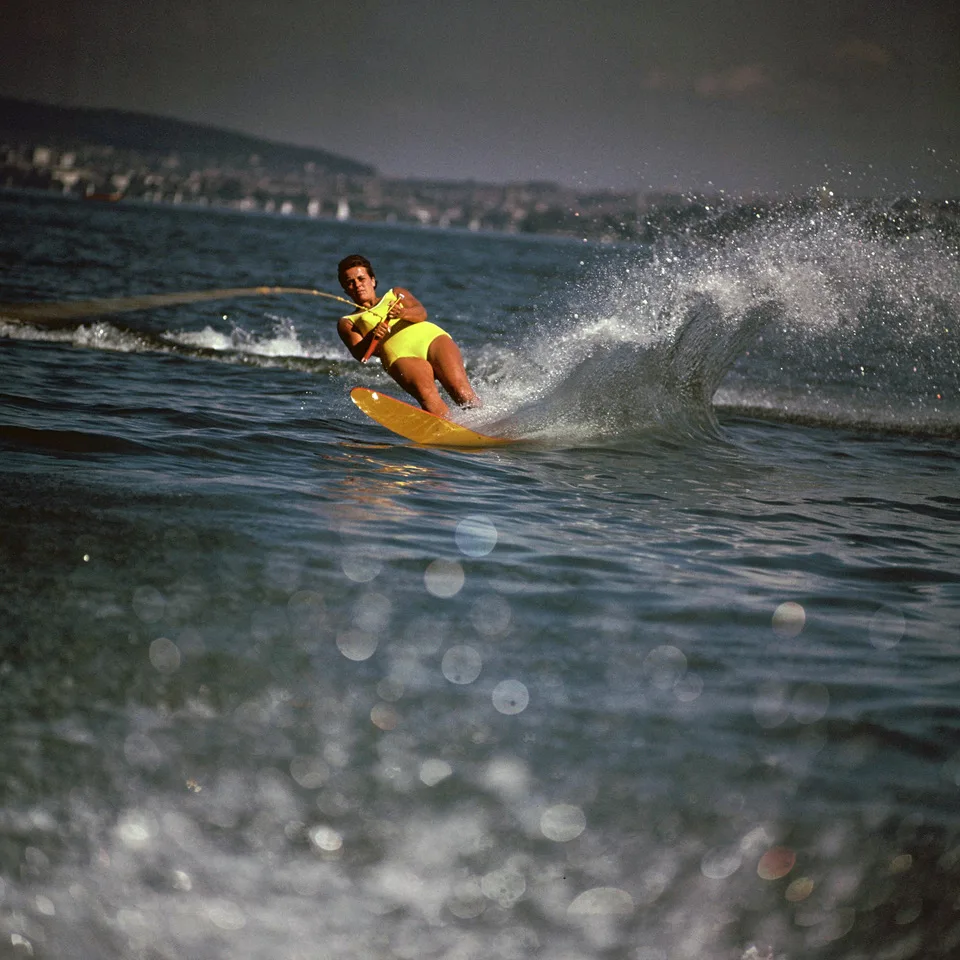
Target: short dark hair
(354, 260)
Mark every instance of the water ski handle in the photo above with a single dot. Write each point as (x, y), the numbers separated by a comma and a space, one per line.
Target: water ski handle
(375, 341)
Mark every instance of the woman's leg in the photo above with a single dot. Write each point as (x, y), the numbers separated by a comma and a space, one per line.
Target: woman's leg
(416, 376)
(447, 363)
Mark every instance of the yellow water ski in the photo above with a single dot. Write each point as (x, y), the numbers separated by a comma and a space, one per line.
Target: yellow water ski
(418, 425)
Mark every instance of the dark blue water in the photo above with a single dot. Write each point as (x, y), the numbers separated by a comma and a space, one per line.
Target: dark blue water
(675, 677)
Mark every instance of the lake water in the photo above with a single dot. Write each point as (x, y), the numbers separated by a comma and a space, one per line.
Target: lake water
(674, 677)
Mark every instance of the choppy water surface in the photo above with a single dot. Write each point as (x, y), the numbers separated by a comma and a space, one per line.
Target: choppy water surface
(676, 677)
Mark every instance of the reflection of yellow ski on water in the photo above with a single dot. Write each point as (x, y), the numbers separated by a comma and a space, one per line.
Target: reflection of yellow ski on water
(419, 425)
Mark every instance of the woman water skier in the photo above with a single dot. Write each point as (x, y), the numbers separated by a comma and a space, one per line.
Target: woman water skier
(415, 352)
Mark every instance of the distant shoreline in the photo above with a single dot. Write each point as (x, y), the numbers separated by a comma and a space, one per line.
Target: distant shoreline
(699, 218)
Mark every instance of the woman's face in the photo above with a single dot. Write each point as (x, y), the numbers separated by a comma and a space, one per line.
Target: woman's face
(359, 286)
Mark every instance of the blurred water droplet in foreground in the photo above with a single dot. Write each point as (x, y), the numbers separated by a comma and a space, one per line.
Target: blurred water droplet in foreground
(467, 900)
(602, 901)
(461, 664)
(164, 655)
(444, 578)
(799, 890)
(226, 915)
(390, 689)
(510, 696)
(384, 716)
(309, 772)
(371, 613)
(688, 688)
(810, 703)
(664, 666)
(433, 771)
(789, 619)
(887, 627)
(326, 838)
(504, 886)
(307, 613)
(490, 615)
(476, 536)
(776, 863)
(721, 862)
(136, 829)
(355, 645)
(361, 564)
(149, 604)
(562, 822)
(770, 708)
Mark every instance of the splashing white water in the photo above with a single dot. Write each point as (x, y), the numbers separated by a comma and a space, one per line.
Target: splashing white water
(795, 304)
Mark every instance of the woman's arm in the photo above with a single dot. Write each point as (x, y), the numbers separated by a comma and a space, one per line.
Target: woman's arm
(408, 308)
(356, 343)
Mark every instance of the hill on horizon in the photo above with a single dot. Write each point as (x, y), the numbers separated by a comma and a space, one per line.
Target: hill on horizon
(148, 133)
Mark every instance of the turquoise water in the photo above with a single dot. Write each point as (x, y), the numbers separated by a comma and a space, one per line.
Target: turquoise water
(674, 677)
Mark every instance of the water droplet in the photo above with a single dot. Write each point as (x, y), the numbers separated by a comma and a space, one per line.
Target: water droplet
(467, 901)
(505, 886)
(652, 885)
(789, 619)
(721, 862)
(461, 664)
(901, 863)
(433, 771)
(45, 906)
(562, 822)
(799, 890)
(602, 901)
(832, 925)
(688, 688)
(361, 564)
(510, 696)
(355, 645)
(507, 776)
(770, 707)
(136, 829)
(309, 772)
(371, 613)
(390, 689)
(22, 944)
(810, 703)
(226, 915)
(444, 578)
(664, 666)
(887, 627)
(777, 862)
(476, 536)
(384, 716)
(490, 616)
(164, 655)
(326, 838)
(149, 604)
(907, 913)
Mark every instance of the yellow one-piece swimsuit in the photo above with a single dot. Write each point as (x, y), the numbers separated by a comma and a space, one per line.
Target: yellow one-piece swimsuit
(405, 339)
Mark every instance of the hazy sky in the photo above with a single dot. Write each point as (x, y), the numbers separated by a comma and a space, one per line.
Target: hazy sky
(731, 94)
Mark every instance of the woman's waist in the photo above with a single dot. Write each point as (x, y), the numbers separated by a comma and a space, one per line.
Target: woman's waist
(425, 328)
